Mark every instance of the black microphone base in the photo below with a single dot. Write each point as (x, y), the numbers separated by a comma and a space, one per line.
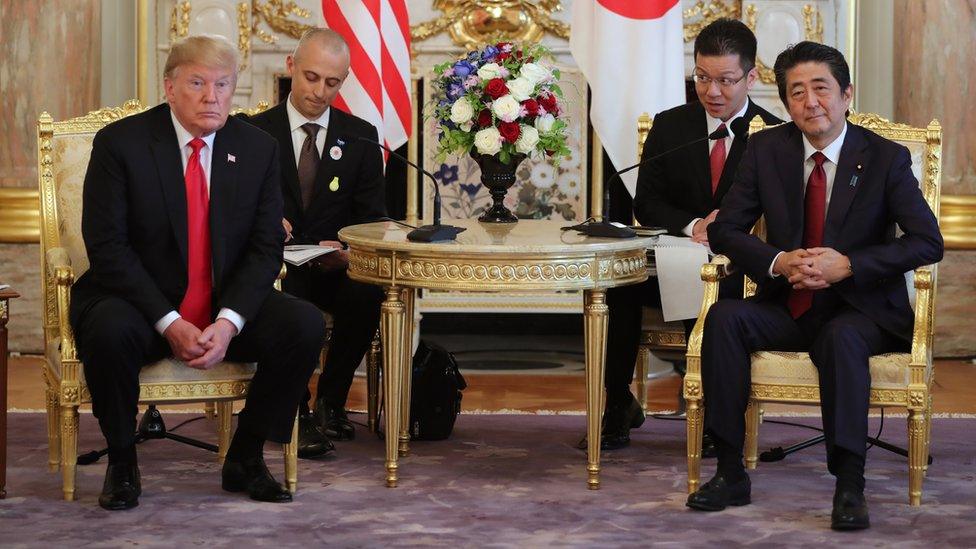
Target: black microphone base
(434, 233)
(605, 230)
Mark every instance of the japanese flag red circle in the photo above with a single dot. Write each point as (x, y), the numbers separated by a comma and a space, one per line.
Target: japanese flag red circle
(639, 9)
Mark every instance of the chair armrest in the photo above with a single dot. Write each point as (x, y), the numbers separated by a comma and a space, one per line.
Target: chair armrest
(59, 265)
(711, 273)
(922, 333)
(281, 276)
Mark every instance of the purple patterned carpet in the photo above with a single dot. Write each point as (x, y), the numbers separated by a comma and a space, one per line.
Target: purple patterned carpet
(501, 481)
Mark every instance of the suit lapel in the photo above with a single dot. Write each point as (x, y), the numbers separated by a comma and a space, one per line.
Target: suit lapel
(223, 191)
(169, 165)
(282, 132)
(789, 164)
(850, 169)
(327, 166)
(697, 126)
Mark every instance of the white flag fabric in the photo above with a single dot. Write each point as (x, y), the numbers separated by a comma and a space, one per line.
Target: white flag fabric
(632, 55)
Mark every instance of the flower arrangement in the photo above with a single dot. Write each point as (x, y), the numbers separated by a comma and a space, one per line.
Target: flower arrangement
(502, 100)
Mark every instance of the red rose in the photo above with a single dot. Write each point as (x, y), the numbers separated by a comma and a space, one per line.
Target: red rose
(510, 131)
(531, 107)
(502, 56)
(496, 88)
(548, 102)
(501, 45)
(484, 118)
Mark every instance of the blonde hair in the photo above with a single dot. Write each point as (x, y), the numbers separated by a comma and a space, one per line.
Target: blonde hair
(208, 50)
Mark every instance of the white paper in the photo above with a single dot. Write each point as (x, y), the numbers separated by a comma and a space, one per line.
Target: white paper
(300, 254)
(4, 286)
(679, 262)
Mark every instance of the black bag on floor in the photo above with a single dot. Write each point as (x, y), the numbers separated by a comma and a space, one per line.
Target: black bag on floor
(435, 400)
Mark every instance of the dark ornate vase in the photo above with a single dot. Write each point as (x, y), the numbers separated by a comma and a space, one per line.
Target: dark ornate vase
(497, 177)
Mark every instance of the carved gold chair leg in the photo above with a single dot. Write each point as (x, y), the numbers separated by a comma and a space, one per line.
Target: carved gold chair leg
(69, 450)
(291, 459)
(752, 433)
(53, 425)
(640, 375)
(916, 455)
(210, 410)
(928, 435)
(406, 371)
(224, 411)
(373, 384)
(695, 413)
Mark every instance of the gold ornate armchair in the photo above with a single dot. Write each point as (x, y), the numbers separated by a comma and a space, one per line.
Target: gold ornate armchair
(63, 149)
(897, 379)
(665, 340)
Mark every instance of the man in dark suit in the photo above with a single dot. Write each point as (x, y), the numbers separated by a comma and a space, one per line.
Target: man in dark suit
(182, 225)
(830, 274)
(330, 179)
(681, 191)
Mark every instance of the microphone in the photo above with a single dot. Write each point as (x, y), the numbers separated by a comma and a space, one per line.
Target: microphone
(426, 233)
(606, 229)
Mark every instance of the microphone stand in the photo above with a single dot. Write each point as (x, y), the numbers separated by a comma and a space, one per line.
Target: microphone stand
(435, 232)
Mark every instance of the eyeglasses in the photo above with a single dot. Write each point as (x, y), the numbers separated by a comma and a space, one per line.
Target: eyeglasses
(724, 82)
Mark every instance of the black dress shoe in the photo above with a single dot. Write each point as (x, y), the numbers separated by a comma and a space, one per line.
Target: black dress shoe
(718, 493)
(312, 442)
(850, 511)
(618, 420)
(252, 475)
(122, 487)
(334, 421)
(708, 446)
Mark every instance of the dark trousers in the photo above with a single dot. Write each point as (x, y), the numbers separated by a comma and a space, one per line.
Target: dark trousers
(625, 305)
(115, 341)
(840, 340)
(355, 310)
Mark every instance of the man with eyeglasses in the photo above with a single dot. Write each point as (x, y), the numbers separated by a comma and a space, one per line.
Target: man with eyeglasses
(682, 191)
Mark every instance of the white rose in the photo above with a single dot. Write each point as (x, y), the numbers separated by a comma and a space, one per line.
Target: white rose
(521, 88)
(506, 108)
(535, 73)
(527, 139)
(461, 111)
(489, 71)
(544, 123)
(488, 141)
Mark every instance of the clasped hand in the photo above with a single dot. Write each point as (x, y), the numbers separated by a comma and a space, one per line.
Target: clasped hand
(813, 268)
(200, 349)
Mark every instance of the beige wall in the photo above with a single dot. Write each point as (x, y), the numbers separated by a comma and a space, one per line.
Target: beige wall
(49, 60)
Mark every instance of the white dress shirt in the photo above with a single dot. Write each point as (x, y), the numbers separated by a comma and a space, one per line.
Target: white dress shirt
(184, 137)
(713, 124)
(298, 135)
(832, 152)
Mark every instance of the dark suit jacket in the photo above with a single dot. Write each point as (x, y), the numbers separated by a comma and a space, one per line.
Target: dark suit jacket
(874, 189)
(360, 196)
(134, 217)
(677, 188)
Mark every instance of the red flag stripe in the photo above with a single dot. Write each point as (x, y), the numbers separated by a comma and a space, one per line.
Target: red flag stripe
(399, 8)
(396, 89)
(360, 62)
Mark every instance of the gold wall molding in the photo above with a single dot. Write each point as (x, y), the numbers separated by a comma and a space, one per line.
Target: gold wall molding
(277, 14)
(812, 28)
(179, 20)
(244, 33)
(474, 23)
(958, 221)
(20, 217)
(705, 12)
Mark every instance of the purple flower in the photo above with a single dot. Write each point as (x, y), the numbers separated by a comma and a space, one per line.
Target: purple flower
(489, 52)
(471, 81)
(470, 188)
(447, 174)
(463, 68)
(454, 91)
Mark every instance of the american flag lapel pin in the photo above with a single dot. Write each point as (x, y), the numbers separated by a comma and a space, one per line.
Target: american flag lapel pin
(231, 158)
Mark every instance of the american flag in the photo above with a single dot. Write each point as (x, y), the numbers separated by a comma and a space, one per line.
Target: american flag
(378, 86)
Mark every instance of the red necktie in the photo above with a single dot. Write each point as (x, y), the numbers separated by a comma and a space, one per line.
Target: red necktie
(716, 160)
(814, 211)
(195, 307)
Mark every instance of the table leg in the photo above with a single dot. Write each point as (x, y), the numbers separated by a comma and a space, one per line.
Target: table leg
(391, 332)
(3, 398)
(595, 331)
(406, 372)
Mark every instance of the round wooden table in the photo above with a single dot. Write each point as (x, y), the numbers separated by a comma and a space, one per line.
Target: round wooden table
(530, 256)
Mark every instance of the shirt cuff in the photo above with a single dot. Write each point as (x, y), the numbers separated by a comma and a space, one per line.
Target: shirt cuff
(234, 318)
(164, 322)
(773, 264)
(690, 228)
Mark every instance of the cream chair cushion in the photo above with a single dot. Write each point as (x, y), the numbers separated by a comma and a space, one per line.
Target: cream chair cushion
(71, 154)
(888, 371)
(168, 370)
